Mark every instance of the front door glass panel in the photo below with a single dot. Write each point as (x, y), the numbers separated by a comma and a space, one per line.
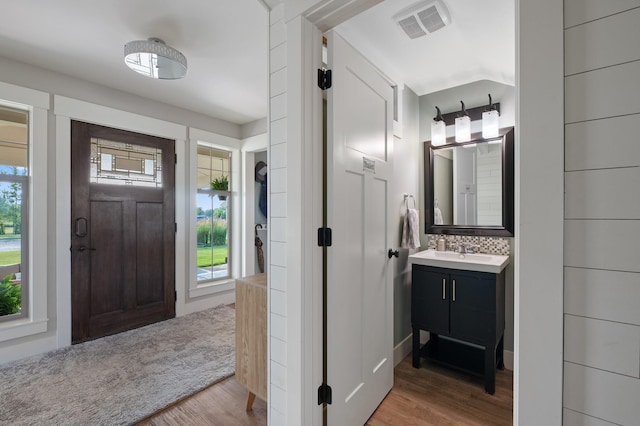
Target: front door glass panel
(117, 163)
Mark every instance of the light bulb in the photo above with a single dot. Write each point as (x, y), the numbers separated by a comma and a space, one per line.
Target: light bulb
(463, 129)
(438, 133)
(490, 124)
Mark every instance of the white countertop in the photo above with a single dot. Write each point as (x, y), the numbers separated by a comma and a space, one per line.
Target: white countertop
(481, 262)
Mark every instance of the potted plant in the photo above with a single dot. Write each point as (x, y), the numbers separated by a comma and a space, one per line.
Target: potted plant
(220, 185)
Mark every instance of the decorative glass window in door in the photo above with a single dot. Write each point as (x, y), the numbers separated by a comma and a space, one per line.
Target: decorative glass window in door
(118, 163)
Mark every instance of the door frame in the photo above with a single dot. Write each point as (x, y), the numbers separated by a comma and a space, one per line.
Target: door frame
(538, 359)
(65, 110)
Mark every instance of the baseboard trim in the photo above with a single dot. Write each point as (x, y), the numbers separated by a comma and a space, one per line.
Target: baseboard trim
(402, 349)
(508, 360)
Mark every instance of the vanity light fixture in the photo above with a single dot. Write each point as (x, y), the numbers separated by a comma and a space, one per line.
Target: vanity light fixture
(463, 126)
(438, 130)
(490, 121)
(153, 58)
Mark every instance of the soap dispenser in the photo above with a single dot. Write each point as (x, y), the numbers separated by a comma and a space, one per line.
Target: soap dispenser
(441, 245)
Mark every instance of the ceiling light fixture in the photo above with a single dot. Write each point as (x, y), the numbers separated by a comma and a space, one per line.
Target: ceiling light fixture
(438, 129)
(463, 126)
(153, 58)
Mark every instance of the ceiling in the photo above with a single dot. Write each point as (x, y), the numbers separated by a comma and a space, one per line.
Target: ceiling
(479, 44)
(225, 42)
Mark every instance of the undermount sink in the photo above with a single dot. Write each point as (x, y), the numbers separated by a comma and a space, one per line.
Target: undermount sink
(470, 256)
(493, 263)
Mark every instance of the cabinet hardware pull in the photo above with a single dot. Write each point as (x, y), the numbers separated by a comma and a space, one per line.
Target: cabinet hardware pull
(444, 291)
(454, 290)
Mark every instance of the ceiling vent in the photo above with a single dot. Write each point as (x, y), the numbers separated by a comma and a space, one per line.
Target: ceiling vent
(421, 18)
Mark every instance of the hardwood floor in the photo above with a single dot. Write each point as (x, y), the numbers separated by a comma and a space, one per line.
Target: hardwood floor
(430, 395)
(222, 404)
(434, 395)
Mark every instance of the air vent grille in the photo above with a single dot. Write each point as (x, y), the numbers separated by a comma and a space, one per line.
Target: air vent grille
(431, 19)
(423, 17)
(411, 27)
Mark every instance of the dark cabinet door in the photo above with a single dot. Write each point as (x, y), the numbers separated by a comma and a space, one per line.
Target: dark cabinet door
(430, 294)
(472, 307)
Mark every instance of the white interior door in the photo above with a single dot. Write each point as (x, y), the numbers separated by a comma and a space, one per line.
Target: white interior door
(359, 272)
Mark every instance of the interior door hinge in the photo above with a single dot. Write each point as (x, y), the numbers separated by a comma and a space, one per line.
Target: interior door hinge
(324, 78)
(175, 226)
(324, 237)
(324, 394)
(175, 296)
(175, 158)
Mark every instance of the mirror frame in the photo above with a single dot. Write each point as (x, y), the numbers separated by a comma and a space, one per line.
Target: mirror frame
(507, 227)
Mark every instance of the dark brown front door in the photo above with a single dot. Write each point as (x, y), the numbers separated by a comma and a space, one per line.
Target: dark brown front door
(122, 230)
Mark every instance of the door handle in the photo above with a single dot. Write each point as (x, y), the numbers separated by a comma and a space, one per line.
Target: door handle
(444, 288)
(392, 253)
(454, 290)
(83, 248)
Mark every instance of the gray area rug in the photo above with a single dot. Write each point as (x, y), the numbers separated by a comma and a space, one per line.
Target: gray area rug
(117, 380)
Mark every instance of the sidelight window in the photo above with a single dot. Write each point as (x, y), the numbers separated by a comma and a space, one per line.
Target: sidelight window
(14, 187)
(213, 214)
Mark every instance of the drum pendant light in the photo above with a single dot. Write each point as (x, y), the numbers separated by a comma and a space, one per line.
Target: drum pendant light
(153, 58)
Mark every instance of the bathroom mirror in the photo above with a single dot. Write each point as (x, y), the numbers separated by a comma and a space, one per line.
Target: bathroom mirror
(469, 186)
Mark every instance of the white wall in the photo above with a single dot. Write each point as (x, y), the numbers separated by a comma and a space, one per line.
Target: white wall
(406, 151)
(279, 352)
(48, 81)
(539, 194)
(602, 212)
(120, 104)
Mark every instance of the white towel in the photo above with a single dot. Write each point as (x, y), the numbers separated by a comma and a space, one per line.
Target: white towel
(411, 230)
(437, 216)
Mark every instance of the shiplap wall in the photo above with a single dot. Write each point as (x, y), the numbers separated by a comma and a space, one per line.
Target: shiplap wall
(277, 216)
(602, 213)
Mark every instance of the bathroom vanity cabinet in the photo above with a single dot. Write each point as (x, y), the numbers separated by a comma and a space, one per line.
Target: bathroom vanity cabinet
(464, 313)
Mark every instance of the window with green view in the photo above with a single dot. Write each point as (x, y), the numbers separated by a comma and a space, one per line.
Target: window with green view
(212, 214)
(14, 184)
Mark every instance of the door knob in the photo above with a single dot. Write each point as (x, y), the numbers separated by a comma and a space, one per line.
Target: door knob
(83, 248)
(392, 253)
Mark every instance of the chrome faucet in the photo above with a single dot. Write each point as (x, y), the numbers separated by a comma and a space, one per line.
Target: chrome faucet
(464, 248)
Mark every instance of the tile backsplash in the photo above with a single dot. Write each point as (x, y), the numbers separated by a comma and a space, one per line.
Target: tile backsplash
(488, 245)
